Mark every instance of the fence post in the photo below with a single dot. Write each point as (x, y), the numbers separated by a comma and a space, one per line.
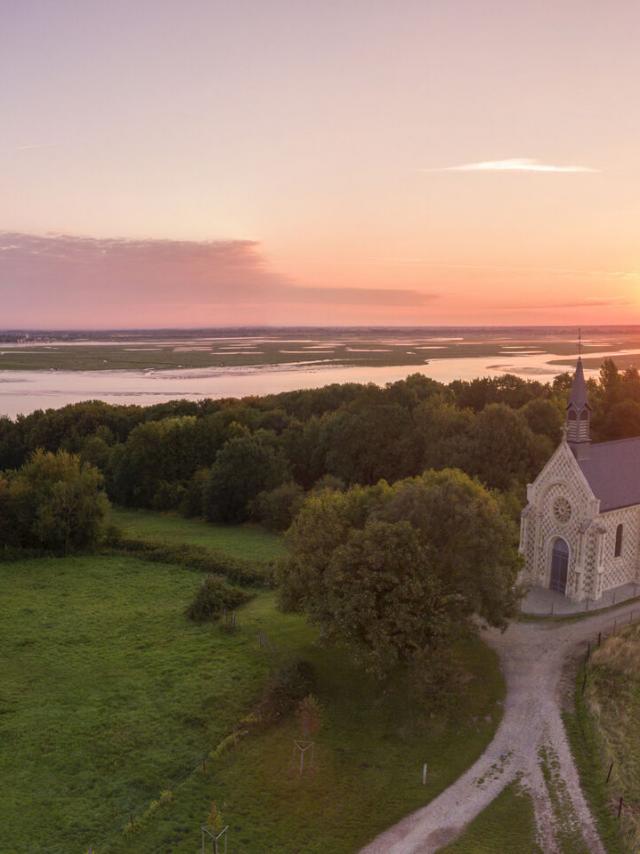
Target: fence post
(620, 806)
(599, 638)
(609, 774)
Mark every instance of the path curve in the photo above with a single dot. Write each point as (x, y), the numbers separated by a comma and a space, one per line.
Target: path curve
(533, 656)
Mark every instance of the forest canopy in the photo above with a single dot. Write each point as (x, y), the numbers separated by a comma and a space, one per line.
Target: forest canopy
(231, 460)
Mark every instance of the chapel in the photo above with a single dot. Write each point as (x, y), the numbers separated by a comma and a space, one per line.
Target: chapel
(580, 530)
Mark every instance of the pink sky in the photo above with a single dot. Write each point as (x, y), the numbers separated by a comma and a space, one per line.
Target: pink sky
(203, 163)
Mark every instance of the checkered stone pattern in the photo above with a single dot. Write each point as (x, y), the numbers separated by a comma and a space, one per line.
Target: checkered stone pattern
(590, 535)
(624, 568)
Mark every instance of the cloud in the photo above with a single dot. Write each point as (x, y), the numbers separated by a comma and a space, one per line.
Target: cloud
(69, 280)
(586, 303)
(32, 146)
(514, 164)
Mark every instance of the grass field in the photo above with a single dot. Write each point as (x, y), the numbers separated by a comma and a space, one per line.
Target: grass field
(506, 826)
(605, 729)
(110, 697)
(367, 772)
(107, 694)
(241, 541)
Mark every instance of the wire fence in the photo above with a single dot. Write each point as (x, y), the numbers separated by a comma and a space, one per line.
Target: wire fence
(132, 818)
(620, 803)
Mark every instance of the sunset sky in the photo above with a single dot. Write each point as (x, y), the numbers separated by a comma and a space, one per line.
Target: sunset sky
(332, 162)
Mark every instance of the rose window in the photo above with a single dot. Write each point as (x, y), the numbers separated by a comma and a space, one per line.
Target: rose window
(562, 509)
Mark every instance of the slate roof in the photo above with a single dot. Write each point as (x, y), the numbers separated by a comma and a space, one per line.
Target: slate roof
(612, 470)
(579, 397)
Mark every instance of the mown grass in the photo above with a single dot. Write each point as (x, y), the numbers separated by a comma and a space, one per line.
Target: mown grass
(506, 825)
(249, 542)
(605, 728)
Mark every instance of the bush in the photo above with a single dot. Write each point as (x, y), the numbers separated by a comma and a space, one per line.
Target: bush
(286, 688)
(213, 597)
(194, 557)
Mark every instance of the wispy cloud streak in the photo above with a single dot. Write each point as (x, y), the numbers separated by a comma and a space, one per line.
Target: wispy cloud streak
(31, 147)
(513, 164)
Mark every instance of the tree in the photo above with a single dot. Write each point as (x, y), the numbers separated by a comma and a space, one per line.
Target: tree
(57, 503)
(395, 571)
(503, 449)
(441, 433)
(309, 715)
(474, 543)
(384, 596)
(368, 442)
(277, 508)
(621, 421)
(544, 417)
(248, 464)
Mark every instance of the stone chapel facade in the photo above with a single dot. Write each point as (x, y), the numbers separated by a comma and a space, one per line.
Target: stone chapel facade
(580, 530)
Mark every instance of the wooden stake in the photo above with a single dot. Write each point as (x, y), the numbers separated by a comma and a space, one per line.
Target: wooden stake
(620, 806)
(609, 774)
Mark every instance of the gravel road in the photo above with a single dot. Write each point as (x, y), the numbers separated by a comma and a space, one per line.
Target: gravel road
(534, 656)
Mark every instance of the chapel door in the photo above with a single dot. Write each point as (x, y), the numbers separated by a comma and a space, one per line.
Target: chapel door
(559, 566)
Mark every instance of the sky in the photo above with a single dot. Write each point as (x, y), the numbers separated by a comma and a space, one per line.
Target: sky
(200, 163)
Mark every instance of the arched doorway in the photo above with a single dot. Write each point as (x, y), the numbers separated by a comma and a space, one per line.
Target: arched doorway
(559, 565)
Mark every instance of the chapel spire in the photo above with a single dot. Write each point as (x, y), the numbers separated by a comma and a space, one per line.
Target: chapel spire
(578, 410)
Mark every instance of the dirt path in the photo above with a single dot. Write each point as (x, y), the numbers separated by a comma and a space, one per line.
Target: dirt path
(533, 657)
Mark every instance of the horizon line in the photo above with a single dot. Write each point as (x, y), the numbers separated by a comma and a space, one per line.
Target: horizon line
(80, 329)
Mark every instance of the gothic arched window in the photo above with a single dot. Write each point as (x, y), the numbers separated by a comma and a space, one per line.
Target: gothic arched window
(618, 549)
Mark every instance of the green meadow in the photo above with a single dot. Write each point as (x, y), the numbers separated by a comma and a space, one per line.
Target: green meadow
(110, 697)
(246, 542)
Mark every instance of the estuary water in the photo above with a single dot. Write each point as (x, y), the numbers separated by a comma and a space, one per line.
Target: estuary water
(25, 391)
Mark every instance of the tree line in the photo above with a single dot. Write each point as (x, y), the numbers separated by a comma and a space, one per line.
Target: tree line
(234, 459)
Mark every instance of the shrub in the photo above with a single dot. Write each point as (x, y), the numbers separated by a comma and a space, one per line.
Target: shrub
(213, 597)
(285, 689)
(194, 557)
